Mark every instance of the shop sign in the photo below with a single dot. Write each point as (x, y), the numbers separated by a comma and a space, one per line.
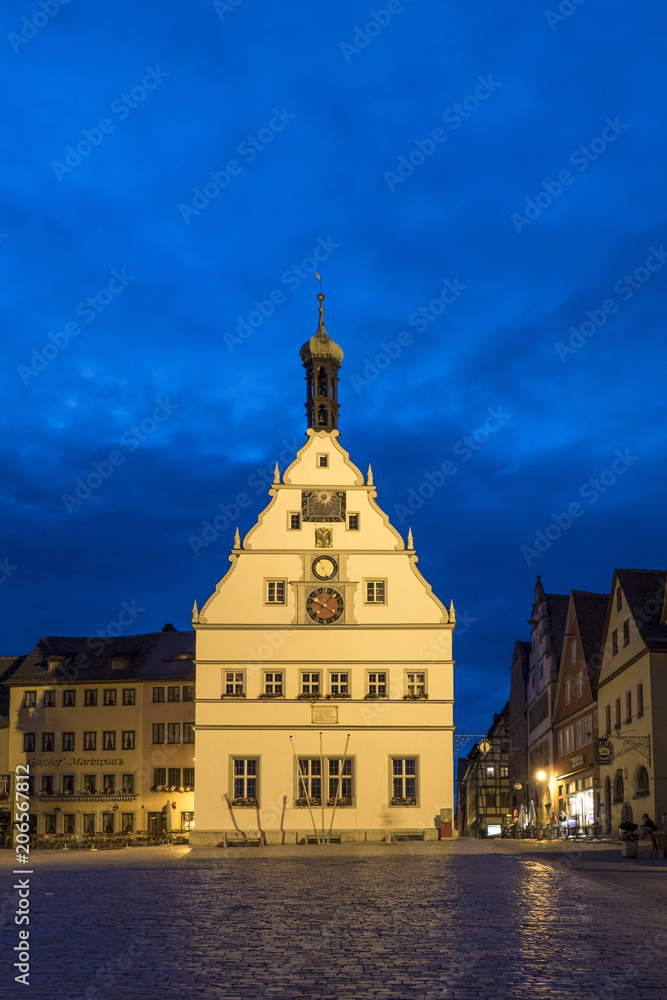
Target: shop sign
(484, 746)
(603, 752)
(517, 786)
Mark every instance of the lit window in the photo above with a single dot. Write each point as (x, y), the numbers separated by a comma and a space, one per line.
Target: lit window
(404, 781)
(504, 770)
(275, 591)
(374, 591)
(245, 779)
(187, 820)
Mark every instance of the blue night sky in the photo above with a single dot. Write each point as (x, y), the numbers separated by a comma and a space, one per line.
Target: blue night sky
(483, 186)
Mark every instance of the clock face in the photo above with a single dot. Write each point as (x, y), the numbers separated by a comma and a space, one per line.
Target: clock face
(324, 567)
(324, 606)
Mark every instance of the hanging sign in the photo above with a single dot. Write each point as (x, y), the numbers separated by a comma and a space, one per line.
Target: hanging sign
(484, 746)
(603, 752)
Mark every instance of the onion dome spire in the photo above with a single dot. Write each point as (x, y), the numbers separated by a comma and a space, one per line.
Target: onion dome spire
(322, 357)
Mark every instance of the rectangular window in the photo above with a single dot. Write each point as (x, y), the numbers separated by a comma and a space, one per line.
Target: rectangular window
(607, 718)
(68, 741)
(375, 591)
(174, 776)
(47, 784)
(310, 682)
(310, 781)
(128, 739)
(377, 683)
(49, 699)
(29, 699)
(108, 740)
(580, 684)
(273, 682)
(188, 692)
(640, 699)
(69, 699)
(187, 820)
(579, 733)
(28, 742)
(188, 732)
(158, 732)
(127, 822)
(189, 777)
(90, 741)
(404, 781)
(504, 771)
(614, 642)
(595, 721)
(618, 713)
(245, 775)
(69, 819)
(129, 696)
(109, 783)
(491, 800)
(619, 598)
(573, 651)
(89, 823)
(234, 682)
(173, 732)
(626, 632)
(293, 521)
(89, 784)
(174, 693)
(275, 592)
(159, 776)
(322, 461)
(339, 683)
(340, 781)
(415, 684)
(353, 522)
(560, 742)
(127, 784)
(490, 771)
(568, 691)
(158, 694)
(68, 784)
(628, 706)
(109, 696)
(107, 822)
(48, 741)
(49, 823)
(90, 698)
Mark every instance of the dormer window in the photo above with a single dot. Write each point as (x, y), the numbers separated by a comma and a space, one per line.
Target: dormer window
(55, 661)
(118, 662)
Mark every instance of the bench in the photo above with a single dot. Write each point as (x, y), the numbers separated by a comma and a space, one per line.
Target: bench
(241, 838)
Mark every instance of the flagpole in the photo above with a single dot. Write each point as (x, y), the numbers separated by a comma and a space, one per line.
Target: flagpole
(305, 788)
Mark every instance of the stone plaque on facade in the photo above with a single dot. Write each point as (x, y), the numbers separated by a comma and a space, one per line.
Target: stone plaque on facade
(326, 714)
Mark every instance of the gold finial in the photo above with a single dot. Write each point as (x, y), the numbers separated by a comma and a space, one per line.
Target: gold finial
(276, 474)
(452, 613)
(237, 540)
(195, 612)
(411, 543)
(321, 329)
(369, 477)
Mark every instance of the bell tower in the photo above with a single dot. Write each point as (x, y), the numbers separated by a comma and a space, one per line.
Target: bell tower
(322, 358)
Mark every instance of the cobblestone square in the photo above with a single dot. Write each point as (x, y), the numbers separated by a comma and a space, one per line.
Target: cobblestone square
(453, 921)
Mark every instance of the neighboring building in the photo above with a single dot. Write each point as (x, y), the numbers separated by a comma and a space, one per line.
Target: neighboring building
(517, 726)
(462, 765)
(576, 775)
(105, 727)
(8, 665)
(324, 661)
(548, 627)
(487, 782)
(632, 698)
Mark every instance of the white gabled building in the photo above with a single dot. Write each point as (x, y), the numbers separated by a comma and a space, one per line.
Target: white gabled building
(324, 694)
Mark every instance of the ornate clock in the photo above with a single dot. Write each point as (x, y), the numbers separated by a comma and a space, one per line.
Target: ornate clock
(324, 567)
(324, 606)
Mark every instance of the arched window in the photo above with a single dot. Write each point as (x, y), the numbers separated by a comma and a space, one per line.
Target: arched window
(641, 782)
(322, 415)
(626, 813)
(618, 787)
(322, 383)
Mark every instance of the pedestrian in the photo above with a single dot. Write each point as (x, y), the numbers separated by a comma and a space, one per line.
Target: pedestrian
(648, 826)
(563, 820)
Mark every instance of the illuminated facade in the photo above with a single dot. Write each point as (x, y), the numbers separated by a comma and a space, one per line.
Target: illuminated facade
(105, 727)
(324, 661)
